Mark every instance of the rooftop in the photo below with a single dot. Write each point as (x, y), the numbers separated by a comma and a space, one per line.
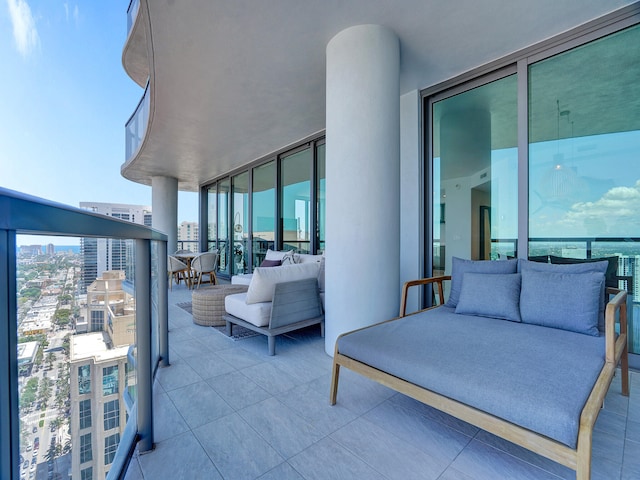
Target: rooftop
(224, 409)
(94, 345)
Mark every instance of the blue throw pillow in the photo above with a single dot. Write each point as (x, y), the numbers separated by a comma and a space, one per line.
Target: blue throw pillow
(461, 266)
(496, 296)
(600, 267)
(569, 301)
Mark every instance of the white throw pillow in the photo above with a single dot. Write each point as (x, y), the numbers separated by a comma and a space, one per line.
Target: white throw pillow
(286, 257)
(264, 280)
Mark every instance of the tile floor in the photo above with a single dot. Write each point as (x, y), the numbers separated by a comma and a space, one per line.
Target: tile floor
(226, 410)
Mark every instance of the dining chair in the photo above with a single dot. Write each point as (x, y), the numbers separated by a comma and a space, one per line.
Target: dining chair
(205, 264)
(178, 270)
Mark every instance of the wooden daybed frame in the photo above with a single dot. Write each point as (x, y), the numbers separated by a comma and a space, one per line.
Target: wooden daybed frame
(578, 459)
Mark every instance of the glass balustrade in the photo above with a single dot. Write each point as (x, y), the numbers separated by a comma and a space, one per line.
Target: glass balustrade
(136, 126)
(75, 349)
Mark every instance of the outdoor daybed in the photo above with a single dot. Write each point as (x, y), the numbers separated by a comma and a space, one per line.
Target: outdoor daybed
(520, 349)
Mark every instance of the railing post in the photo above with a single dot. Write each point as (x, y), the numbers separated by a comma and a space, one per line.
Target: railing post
(163, 313)
(9, 407)
(143, 344)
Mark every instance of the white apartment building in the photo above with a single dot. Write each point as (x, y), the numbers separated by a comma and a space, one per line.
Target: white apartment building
(98, 369)
(104, 254)
(188, 236)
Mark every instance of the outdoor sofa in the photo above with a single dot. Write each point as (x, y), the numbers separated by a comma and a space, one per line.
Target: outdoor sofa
(523, 350)
(278, 300)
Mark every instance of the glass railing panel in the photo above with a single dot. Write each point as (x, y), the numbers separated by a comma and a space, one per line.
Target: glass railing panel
(136, 126)
(132, 13)
(77, 384)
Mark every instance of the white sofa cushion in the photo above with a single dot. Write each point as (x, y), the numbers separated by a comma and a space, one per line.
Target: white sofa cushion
(307, 258)
(264, 280)
(241, 279)
(255, 313)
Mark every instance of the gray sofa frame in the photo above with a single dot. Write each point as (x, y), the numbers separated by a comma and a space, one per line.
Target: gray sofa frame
(295, 305)
(578, 459)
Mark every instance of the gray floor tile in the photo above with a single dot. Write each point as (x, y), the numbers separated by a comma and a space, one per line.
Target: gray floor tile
(633, 431)
(526, 455)
(425, 434)
(167, 421)
(453, 474)
(237, 390)
(286, 431)
(327, 460)
(607, 446)
(388, 454)
(237, 451)
(178, 374)
(314, 407)
(239, 357)
(360, 394)
(208, 365)
(284, 471)
(179, 458)
(482, 462)
(270, 378)
(198, 404)
(433, 414)
(631, 461)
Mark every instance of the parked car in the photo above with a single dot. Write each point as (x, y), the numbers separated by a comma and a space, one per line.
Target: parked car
(26, 465)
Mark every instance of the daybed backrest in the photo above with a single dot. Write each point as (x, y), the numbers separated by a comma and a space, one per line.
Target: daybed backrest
(568, 297)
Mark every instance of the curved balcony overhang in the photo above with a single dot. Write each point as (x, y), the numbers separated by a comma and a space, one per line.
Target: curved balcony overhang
(230, 84)
(134, 54)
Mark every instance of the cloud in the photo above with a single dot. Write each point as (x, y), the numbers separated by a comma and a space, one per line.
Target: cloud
(25, 33)
(76, 13)
(614, 214)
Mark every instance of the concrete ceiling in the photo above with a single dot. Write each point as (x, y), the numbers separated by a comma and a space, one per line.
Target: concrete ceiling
(232, 81)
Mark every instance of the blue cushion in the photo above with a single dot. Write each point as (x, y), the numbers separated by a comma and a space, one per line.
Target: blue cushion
(569, 301)
(496, 295)
(508, 369)
(460, 266)
(600, 267)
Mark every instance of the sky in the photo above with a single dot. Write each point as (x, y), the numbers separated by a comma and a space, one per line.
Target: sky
(64, 102)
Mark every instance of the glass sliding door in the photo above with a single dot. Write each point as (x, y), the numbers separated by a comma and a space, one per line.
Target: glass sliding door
(263, 211)
(224, 261)
(584, 173)
(295, 198)
(240, 252)
(212, 216)
(475, 174)
(321, 176)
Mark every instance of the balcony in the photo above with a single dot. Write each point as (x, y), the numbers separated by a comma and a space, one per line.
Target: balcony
(224, 409)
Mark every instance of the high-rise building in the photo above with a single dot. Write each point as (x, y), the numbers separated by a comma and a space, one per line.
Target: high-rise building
(188, 236)
(98, 376)
(104, 254)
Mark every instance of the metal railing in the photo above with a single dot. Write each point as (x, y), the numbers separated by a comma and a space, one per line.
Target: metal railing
(23, 214)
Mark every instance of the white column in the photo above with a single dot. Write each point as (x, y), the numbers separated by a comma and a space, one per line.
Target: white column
(164, 206)
(363, 179)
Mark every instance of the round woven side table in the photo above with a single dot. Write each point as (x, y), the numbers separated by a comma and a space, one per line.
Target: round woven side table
(207, 303)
